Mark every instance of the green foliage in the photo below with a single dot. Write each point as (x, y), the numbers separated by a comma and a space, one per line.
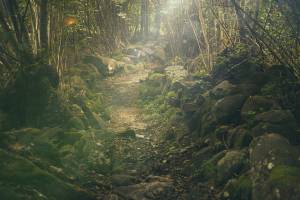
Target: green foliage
(17, 172)
(209, 170)
(285, 176)
(154, 100)
(240, 189)
(27, 99)
(98, 63)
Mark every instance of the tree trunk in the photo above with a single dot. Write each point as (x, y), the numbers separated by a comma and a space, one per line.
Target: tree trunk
(240, 20)
(145, 18)
(157, 17)
(44, 25)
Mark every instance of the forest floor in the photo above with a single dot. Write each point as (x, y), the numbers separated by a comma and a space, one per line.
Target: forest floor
(136, 146)
(153, 131)
(126, 118)
(122, 93)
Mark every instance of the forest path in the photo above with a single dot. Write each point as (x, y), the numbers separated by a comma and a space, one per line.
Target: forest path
(121, 99)
(134, 147)
(122, 93)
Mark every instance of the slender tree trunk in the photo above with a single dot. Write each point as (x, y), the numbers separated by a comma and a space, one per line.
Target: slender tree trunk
(157, 17)
(240, 20)
(44, 25)
(145, 18)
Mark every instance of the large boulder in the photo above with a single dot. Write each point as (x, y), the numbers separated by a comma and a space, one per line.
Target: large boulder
(238, 137)
(279, 121)
(230, 165)
(268, 154)
(248, 88)
(237, 189)
(209, 169)
(154, 189)
(123, 180)
(272, 150)
(22, 179)
(276, 116)
(225, 88)
(257, 104)
(100, 64)
(203, 155)
(283, 183)
(239, 70)
(233, 137)
(228, 109)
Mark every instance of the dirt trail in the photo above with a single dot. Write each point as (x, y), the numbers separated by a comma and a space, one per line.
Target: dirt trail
(122, 93)
(132, 158)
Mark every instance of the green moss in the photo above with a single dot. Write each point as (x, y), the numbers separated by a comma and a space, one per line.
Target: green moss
(171, 94)
(270, 89)
(240, 189)
(243, 188)
(76, 123)
(10, 193)
(20, 172)
(208, 170)
(285, 176)
(156, 77)
(149, 92)
(70, 137)
(200, 74)
(98, 63)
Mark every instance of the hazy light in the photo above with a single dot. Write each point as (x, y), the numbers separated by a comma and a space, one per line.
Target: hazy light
(170, 6)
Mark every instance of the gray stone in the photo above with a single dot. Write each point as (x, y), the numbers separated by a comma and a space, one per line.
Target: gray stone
(275, 168)
(148, 190)
(257, 104)
(282, 122)
(123, 180)
(276, 116)
(228, 108)
(223, 89)
(230, 165)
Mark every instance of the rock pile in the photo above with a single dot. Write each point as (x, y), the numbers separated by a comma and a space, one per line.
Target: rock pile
(243, 131)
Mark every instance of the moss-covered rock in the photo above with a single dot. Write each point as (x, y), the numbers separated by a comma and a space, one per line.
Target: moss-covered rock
(209, 170)
(230, 165)
(228, 109)
(76, 123)
(238, 189)
(285, 182)
(279, 121)
(225, 88)
(22, 178)
(275, 149)
(237, 67)
(282, 183)
(98, 62)
(267, 153)
(257, 104)
(73, 153)
(238, 137)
